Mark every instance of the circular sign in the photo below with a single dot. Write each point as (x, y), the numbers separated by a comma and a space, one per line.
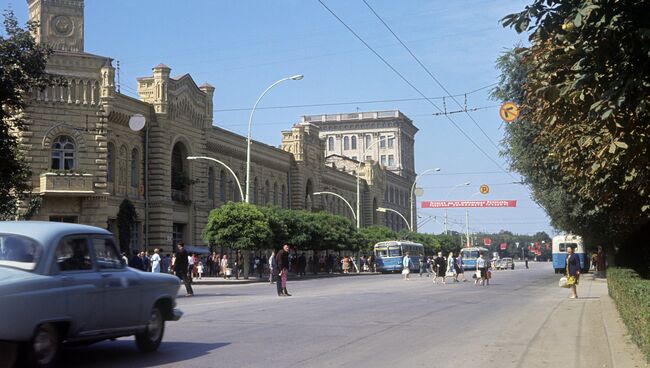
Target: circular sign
(509, 112)
(419, 192)
(136, 122)
(484, 189)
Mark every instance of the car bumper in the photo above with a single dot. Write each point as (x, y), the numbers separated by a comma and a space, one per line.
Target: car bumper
(176, 314)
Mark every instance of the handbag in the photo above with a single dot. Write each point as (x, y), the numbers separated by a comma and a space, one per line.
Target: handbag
(563, 283)
(478, 274)
(449, 274)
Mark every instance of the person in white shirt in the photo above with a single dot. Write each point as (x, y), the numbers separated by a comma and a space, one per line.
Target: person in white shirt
(406, 266)
(155, 261)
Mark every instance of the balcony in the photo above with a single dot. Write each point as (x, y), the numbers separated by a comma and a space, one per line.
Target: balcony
(65, 184)
(180, 196)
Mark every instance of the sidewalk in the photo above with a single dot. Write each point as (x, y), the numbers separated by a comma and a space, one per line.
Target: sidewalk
(584, 332)
(265, 278)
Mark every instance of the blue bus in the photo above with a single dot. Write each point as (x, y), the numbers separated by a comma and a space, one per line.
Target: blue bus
(560, 244)
(470, 255)
(389, 254)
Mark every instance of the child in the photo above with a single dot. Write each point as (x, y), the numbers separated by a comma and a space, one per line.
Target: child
(200, 270)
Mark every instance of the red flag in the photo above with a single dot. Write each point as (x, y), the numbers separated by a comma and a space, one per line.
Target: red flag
(504, 246)
(487, 241)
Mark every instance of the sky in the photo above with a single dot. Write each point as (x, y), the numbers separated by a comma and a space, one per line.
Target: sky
(242, 46)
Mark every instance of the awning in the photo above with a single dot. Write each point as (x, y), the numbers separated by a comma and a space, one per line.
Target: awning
(198, 250)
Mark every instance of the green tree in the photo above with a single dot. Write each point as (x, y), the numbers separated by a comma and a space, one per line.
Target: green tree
(22, 68)
(585, 106)
(238, 226)
(371, 235)
(126, 218)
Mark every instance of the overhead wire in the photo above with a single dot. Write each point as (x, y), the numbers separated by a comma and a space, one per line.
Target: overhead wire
(413, 86)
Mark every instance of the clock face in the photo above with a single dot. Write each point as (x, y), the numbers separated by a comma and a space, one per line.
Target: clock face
(62, 25)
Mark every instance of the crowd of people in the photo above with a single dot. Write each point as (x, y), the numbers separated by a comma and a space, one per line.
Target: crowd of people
(441, 268)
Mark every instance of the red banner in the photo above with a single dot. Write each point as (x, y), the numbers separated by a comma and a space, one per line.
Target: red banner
(504, 246)
(469, 204)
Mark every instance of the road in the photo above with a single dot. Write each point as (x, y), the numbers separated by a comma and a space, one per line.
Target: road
(364, 321)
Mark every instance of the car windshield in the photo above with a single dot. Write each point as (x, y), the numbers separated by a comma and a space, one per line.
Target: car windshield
(19, 252)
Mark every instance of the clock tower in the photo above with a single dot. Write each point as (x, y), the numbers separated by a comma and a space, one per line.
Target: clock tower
(61, 23)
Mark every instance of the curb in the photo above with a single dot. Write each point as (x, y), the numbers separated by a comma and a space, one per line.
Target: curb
(292, 278)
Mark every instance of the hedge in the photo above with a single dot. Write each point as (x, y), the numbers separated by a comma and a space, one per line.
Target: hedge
(631, 294)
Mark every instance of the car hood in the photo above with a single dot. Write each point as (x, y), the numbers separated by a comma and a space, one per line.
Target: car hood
(8, 275)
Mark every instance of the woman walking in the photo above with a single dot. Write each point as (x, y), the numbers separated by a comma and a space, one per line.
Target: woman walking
(572, 271)
(451, 267)
(224, 265)
(460, 271)
(481, 269)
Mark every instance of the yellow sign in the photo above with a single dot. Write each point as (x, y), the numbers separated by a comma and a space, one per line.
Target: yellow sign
(484, 189)
(509, 112)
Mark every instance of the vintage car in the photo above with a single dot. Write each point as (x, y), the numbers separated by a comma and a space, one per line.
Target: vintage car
(67, 284)
(507, 263)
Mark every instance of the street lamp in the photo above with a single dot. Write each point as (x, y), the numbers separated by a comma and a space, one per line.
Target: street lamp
(241, 192)
(448, 194)
(413, 190)
(359, 179)
(344, 200)
(384, 210)
(136, 123)
(248, 137)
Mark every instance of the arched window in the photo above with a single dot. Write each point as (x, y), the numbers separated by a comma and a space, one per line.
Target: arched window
(368, 141)
(210, 183)
(354, 142)
(283, 196)
(110, 163)
(134, 168)
(267, 198)
(255, 186)
(330, 144)
(392, 195)
(275, 194)
(346, 143)
(63, 152)
(222, 186)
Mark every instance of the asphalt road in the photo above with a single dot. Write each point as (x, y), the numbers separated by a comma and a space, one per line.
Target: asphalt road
(365, 321)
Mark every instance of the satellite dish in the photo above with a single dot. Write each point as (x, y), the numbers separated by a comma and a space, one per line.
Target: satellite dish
(136, 122)
(419, 192)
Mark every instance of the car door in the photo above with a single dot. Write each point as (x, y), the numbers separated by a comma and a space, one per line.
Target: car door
(82, 283)
(121, 286)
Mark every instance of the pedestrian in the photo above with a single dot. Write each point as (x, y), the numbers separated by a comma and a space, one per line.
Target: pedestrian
(273, 267)
(572, 271)
(406, 266)
(181, 267)
(260, 266)
(224, 265)
(136, 261)
(216, 264)
(302, 264)
(451, 267)
(239, 264)
(165, 263)
(199, 270)
(172, 263)
(600, 262)
(526, 260)
(422, 264)
(346, 264)
(282, 261)
(440, 266)
(155, 261)
(481, 269)
(460, 270)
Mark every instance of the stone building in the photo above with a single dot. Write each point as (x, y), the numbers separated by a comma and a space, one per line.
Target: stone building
(86, 159)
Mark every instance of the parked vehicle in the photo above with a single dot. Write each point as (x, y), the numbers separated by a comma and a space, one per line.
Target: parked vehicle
(67, 284)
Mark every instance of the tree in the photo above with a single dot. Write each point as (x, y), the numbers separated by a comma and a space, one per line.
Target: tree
(22, 68)
(371, 235)
(237, 225)
(126, 218)
(582, 140)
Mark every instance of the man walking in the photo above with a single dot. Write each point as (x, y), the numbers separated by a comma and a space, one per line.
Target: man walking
(406, 266)
(180, 267)
(273, 267)
(282, 261)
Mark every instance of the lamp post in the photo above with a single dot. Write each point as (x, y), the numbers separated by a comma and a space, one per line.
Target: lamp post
(413, 190)
(136, 123)
(359, 179)
(344, 200)
(241, 192)
(248, 137)
(448, 194)
(384, 209)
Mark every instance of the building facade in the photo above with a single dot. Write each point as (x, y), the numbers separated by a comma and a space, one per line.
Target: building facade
(87, 156)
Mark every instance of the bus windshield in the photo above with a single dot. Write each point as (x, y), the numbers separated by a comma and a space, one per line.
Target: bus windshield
(472, 254)
(394, 252)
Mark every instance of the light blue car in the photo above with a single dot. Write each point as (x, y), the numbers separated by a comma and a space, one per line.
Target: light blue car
(67, 284)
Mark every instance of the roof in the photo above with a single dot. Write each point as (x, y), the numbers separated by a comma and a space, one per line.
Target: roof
(46, 232)
(161, 65)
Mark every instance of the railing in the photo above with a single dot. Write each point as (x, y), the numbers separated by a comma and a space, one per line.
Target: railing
(76, 91)
(352, 116)
(179, 196)
(66, 183)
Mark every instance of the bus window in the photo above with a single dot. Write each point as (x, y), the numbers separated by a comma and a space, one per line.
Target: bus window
(394, 252)
(381, 252)
(562, 247)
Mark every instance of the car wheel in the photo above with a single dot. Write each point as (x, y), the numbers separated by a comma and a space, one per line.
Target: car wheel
(150, 339)
(43, 349)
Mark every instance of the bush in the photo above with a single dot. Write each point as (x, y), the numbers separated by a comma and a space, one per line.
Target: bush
(631, 294)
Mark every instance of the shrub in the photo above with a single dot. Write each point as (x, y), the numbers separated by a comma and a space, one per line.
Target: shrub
(631, 294)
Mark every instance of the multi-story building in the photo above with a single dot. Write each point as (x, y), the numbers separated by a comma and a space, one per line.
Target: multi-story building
(86, 159)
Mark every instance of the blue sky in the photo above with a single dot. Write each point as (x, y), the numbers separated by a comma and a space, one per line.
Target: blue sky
(242, 46)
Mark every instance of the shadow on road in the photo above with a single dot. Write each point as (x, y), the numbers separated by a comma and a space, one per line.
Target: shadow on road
(125, 353)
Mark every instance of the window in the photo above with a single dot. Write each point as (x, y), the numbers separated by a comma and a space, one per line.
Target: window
(383, 160)
(368, 158)
(275, 194)
(72, 254)
(283, 196)
(18, 251)
(106, 254)
(391, 142)
(330, 144)
(110, 164)
(255, 185)
(63, 152)
(210, 183)
(134, 168)
(177, 233)
(346, 143)
(382, 141)
(368, 140)
(354, 158)
(135, 236)
(391, 160)
(222, 186)
(354, 142)
(267, 197)
(70, 219)
(392, 195)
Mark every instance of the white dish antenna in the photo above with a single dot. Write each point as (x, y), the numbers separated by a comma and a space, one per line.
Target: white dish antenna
(136, 122)
(419, 192)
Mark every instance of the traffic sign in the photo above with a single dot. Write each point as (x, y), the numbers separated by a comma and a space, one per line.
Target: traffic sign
(509, 112)
(484, 189)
